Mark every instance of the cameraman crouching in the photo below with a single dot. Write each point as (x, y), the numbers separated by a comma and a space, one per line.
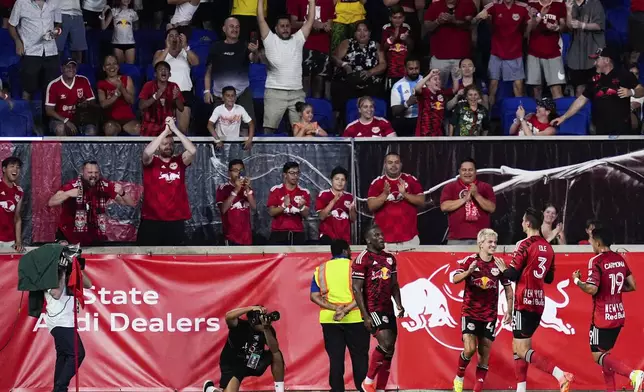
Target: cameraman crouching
(244, 354)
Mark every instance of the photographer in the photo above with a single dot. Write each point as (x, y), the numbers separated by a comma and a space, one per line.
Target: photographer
(244, 354)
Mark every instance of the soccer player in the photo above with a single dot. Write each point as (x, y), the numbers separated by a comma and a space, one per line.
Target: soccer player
(533, 264)
(608, 277)
(480, 303)
(374, 283)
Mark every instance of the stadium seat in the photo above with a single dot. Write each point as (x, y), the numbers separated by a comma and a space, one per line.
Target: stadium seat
(565, 45)
(352, 113)
(509, 109)
(89, 72)
(504, 91)
(322, 113)
(577, 124)
(147, 42)
(198, 77)
(257, 78)
(201, 37)
(202, 51)
(149, 72)
(17, 121)
(98, 44)
(134, 72)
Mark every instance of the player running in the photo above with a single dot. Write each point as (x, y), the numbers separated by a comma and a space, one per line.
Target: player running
(374, 283)
(533, 263)
(480, 305)
(608, 277)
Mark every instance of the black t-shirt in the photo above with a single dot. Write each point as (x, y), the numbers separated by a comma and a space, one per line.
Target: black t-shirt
(610, 113)
(230, 65)
(243, 341)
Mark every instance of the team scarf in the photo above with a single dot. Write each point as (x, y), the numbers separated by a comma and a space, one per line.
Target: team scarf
(90, 212)
(472, 213)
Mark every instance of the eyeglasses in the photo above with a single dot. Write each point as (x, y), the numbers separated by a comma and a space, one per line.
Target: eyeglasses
(293, 173)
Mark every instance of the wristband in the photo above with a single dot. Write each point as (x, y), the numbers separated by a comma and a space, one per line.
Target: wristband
(233, 193)
(206, 91)
(249, 193)
(583, 26)
(154, 96)
(577, 281)
(632, 92)
(65, 121)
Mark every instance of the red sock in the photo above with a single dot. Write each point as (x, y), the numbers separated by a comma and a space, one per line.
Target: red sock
(609, 380)
(481, 373)
(540, 361)
(383, 374)
(610, 364)
(377, 358)
(520, 369)
(462, 365)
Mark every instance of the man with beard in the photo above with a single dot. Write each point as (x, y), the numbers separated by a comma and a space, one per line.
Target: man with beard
(284, 56)
(404, 104)
(11, 195)
(83, 219)
(165, 199)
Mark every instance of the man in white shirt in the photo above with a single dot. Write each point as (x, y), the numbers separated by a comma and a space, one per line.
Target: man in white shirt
(283, 55)
(226, 119)
(73, 29)
(59, 318)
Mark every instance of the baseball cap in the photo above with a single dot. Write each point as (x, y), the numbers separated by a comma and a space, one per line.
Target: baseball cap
(547, 103)
(68, 61)
(606, 52)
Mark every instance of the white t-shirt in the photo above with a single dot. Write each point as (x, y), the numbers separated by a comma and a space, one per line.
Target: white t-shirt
(227, 122)
(70, 7)
(180, 70)
(183, 14)
(284, 71)
(123, 20)
(59, 312)
(94, 5)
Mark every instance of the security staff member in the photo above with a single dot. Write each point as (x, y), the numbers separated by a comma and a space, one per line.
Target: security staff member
(341, 321)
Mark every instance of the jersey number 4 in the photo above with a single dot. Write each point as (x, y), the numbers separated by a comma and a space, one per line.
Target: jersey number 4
(616, 283)
(541, 268)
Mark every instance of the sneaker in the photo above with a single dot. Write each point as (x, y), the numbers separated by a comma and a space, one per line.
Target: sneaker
(564, 385)
(637, 379)
(209, 386)
(458, 385)
(368, 387)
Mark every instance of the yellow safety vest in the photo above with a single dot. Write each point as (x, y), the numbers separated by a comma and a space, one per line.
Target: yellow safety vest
(334, 279)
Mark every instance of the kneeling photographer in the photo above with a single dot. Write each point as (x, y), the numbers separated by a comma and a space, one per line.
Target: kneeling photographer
(244, 354)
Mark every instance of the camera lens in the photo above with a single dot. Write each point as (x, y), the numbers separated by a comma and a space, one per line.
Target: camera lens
(274, 316)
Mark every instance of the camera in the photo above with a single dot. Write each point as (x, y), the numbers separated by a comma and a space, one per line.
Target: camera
(254, 316)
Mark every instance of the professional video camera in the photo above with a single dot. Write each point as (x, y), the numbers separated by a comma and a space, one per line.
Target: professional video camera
(66, 257)
(254, 316)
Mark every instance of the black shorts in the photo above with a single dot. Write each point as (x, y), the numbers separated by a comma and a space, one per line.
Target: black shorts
(91, 19)
(580, 77)
(188, 98)
(37, 71)
(124, 47)
(478, 328)
(524, 323)
(161, 233)
(315, 63)
(239, 370)
(287, 238)
(383, 320)
(603, 339)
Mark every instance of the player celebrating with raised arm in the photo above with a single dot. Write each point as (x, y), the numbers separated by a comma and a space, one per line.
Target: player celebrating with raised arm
(480, 305)
(608, 277)
(533, 263)
(375, 281)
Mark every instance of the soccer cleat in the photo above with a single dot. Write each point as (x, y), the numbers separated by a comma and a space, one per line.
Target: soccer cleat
(209, 386)
(368, 387)
(637, 379)
(458, 385)
(564, 385)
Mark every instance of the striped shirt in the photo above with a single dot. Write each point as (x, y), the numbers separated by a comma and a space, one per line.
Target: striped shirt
(400, 93)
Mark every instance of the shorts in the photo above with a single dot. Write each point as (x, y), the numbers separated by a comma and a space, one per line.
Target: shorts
(382, 321)
(92, 19)
(553, 70)
(478, 328)
(124, 47)
(636, 31)
(506, 70)
(161, 233)
(276, 102)
(30, 71)
(445, 66)
(74, 28)
(241, 371)
(580, 77)
(88, 129)
(524, 323)
(603, 339)
(315, 63)
(188, 98)
(287, 238)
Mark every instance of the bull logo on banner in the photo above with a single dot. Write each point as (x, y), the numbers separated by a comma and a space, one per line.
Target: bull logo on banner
(432, 306)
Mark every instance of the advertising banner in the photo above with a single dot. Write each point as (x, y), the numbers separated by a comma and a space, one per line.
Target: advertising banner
(157, 323)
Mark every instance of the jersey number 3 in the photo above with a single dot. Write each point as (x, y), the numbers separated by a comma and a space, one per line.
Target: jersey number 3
(541, 268)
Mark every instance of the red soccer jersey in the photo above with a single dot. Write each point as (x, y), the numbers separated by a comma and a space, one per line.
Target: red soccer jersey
(459, 227)
(120, 109)
(324, 11)
(92, 197)
(397, 51)
(338, 224)
(450, 41)
(544, 43)
(64, 97)
(154, 117)
(637, 5)
(481, 297)
(431, 112)
(236, 220)
(376, 128)
(397, 217)
(608, 271)
(10, 196)
(164, 190)
(291, 218)
(508, 26)
(377, 271)
(533, 258)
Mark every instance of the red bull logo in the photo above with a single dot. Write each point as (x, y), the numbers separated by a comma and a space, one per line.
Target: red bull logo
(485, 283)
(384, 273)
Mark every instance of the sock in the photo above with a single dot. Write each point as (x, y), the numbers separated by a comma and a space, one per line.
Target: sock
(481, 373)
(463, 361)
(210, 389)
(540, 361)
(383, 374)
(279, 386)
(610, 364)
(522, 386)
(609, 380)
(521, 372)
(377, 358)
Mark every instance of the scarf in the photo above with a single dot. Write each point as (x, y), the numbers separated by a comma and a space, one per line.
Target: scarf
(90, 212)
(472, 213)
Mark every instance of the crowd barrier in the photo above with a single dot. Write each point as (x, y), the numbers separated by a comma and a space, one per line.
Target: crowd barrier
(154, 321)
(589, 177)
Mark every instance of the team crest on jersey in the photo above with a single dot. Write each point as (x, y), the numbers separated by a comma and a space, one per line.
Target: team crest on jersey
(17, 197)
(79, 92)
(375, 129)
(347, 204)
(440, 97)
(162, 100)
(471, 326)
(462, 193)
(173, 166)
(385, 319)
(256, 337)
(515, 17)
(390, 260)
(495, 271)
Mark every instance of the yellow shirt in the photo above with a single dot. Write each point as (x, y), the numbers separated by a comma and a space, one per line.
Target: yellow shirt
(247, 7)
(348, 12)
(335, 287)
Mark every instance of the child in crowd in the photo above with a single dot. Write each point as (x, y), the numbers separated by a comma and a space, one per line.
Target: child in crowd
(226, 119)
(306, 126)
(125, 19)
(396, 43)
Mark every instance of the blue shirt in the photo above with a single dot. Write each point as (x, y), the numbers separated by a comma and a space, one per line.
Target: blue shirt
(400, 93)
